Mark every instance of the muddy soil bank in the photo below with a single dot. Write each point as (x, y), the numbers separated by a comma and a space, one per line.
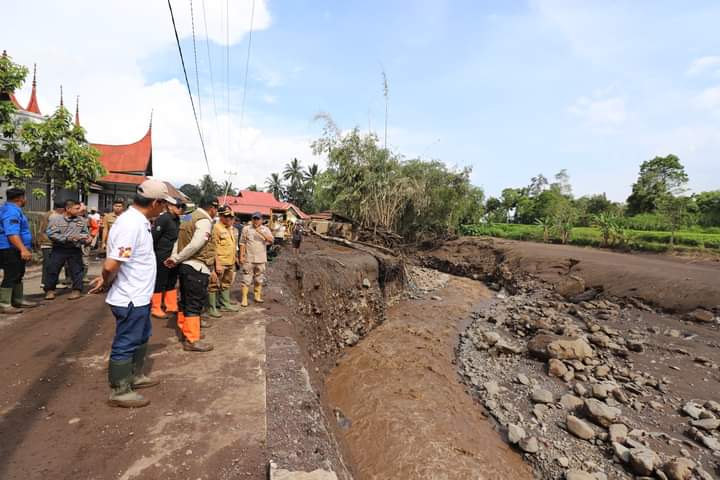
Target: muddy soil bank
(402, 411)
(672, 283)
(381, 358)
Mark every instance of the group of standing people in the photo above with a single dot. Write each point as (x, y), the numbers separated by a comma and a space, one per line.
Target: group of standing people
(156, 265)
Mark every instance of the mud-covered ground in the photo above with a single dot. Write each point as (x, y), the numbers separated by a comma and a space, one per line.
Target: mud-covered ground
(584, 372)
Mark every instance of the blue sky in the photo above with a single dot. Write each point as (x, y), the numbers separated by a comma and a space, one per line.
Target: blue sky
(510, 88)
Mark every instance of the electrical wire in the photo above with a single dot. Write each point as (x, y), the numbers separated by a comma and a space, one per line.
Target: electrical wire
(197, 73)
(227, 74)
(210, 67)
(187, 83)
(247, 63)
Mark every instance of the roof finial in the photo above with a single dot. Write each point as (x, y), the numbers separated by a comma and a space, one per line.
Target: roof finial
(151, 115)
(77, 111)
(62, 104)
(4, 54)
(33, 103)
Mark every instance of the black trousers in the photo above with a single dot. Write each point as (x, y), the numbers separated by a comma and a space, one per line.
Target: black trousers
(13, 267)
(193, 290)
(72, 256)
(166, 278)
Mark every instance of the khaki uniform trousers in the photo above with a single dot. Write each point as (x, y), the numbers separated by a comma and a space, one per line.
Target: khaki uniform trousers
(225, 280)
(253, 271)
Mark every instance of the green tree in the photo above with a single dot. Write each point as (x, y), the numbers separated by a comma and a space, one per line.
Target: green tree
(209, 187)
(546, 224)
(192, 191)
(275, 186)
(253, 188)
(12, 77)
(658, 177)
(57, 150)
(676, 211)
(538, 184)
(708, 204)
(495, 211)
(562, 183)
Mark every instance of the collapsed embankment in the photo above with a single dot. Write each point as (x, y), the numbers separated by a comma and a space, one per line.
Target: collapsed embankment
(380, 355)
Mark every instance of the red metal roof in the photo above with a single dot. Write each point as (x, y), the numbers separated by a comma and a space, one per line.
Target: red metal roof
(249, 202)
(132, 158)
(122, 178)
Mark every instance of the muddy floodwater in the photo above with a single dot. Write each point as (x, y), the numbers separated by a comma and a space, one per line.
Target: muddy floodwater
(401, 410)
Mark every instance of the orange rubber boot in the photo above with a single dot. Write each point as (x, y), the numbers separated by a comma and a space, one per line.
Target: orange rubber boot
(171, 305)
(191, 329)
(156, 310)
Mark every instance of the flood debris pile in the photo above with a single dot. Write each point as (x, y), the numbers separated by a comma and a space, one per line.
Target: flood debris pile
(422, 282)
(592, 389)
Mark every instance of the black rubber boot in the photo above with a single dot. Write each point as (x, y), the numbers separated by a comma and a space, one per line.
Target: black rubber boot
(140, 380)
(120, 374)
(18, 297)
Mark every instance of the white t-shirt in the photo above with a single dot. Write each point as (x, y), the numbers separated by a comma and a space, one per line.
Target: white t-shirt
(131, 243)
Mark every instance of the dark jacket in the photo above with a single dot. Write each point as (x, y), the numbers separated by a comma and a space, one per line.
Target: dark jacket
(165, 233)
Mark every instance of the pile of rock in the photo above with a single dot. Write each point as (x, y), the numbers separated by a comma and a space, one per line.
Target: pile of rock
(576, 405)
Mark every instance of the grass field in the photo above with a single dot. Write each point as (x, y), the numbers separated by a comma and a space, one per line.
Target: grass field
(588, 236)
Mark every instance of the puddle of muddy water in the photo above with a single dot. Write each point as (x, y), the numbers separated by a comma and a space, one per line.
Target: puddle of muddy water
(403, 411)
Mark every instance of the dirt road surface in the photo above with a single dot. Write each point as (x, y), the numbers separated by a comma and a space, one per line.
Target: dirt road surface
(206, 420)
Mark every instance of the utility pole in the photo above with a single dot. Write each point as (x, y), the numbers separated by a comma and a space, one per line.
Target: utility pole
(229, 174)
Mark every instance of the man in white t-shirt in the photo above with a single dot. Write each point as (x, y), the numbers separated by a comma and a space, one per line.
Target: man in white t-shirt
(129, 275)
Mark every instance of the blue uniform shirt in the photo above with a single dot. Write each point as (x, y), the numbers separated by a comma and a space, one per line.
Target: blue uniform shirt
(14, 222)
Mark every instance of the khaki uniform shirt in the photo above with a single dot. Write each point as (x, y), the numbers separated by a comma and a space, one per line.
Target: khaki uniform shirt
(108, 220)
(225, 244)
(255, 244)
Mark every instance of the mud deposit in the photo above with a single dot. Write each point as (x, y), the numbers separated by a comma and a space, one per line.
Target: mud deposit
(400, 408)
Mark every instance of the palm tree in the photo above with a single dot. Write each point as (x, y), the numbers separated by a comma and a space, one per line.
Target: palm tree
(312, 172)
(293, 172)
(274, 185)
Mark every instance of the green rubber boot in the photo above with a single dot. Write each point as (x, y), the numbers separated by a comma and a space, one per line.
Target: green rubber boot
(18, 298)
(140, 380)
(212, 308)
(6, 301)
(120, 374)
(226, 304)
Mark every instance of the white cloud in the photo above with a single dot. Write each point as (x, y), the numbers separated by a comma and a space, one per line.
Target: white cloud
(603, 115)
(271, 99)
(98, 53)
(703, 64)
(708, 99)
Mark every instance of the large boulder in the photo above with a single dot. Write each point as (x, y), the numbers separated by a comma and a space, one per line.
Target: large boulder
(579, 428)
(700, 315)
(601, 413)
(679, 469)
(545, 346)
(570, 286)
(643, 461)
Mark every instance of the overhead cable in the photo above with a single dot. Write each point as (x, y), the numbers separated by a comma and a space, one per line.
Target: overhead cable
(187, 83)
(197, 73)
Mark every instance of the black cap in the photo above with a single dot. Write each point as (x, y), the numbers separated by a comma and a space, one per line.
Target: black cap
(257, 215)
(225, 211)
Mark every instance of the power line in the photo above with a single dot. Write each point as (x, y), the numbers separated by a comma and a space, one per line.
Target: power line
(247, 62)
(187, 83)
(197, 74)
(227, 74)
(207, 45)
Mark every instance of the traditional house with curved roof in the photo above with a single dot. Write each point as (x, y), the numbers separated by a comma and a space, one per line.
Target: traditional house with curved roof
(127, 165)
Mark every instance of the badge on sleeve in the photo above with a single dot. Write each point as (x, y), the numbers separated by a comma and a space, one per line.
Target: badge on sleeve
(124, 252)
